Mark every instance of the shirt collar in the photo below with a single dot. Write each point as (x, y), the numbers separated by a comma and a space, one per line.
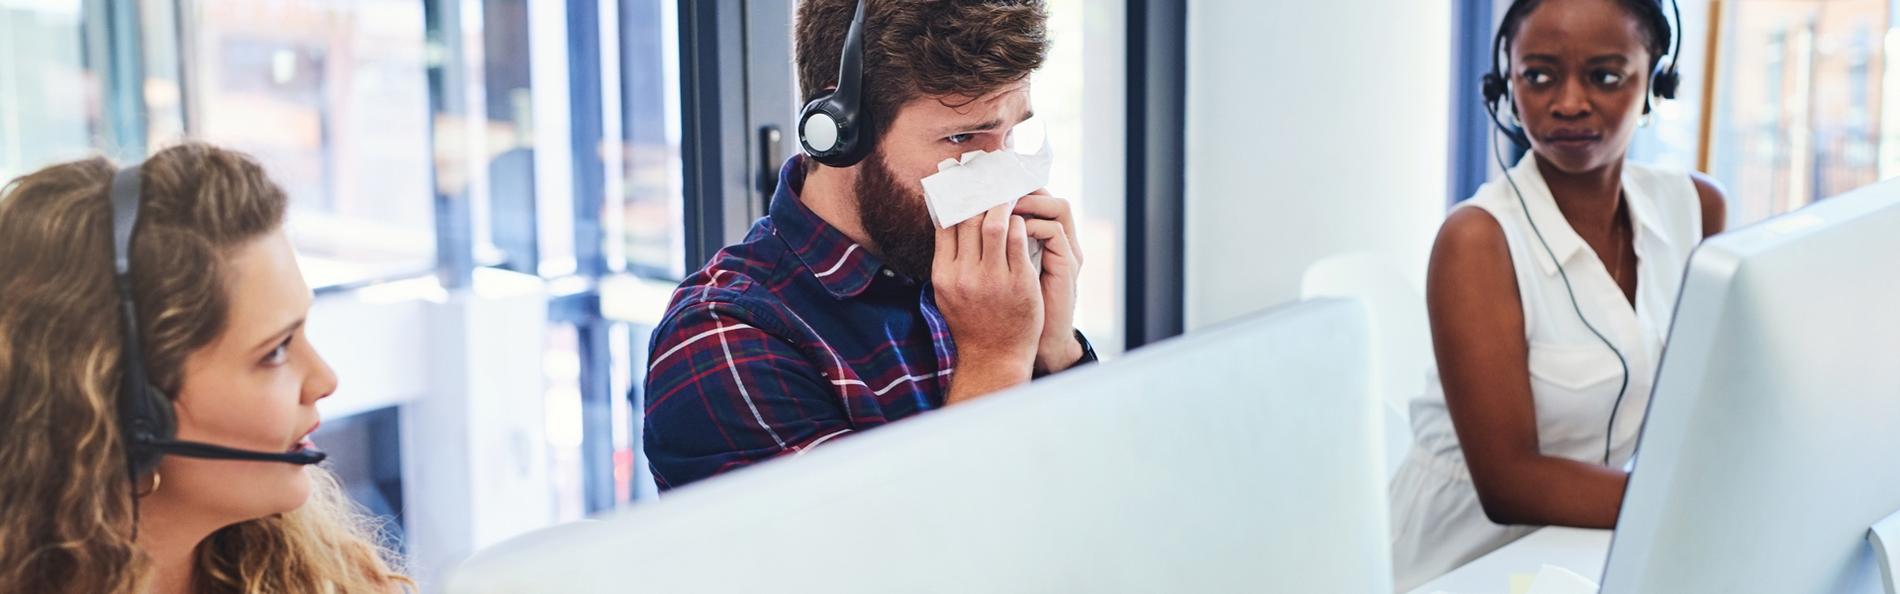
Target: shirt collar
(842, 266)
(1564, 242)
(1649, 223)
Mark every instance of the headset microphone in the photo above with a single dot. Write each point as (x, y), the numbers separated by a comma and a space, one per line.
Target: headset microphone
(192, 449)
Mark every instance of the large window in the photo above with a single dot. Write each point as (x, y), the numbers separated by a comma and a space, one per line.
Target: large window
(49, 108)
(332, 96)
(1080, 93)
(1799, 113)
(1784, 102)
(654, 238)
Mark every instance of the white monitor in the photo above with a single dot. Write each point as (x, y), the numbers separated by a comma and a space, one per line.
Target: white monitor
(1773, 439)
(1244, 458)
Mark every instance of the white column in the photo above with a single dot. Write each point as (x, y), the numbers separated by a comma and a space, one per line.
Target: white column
(1314, 128)
(475, 462)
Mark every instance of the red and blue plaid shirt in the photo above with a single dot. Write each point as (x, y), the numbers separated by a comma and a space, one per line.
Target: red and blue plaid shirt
(793, 337)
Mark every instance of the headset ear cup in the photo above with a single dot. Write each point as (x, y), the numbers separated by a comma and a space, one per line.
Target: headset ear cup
(1665, 83)
(164, 417)
(841, 143)
(1493, 89)
(842, 108)
(818, 131)
(153, 421)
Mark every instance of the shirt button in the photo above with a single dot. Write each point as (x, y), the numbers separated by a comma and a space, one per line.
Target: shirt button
(888, 273)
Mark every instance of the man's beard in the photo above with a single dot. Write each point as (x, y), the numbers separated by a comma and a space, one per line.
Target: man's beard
(896, 218)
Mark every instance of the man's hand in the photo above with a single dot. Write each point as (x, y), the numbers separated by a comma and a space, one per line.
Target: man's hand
(1048, 219)
(989, 297)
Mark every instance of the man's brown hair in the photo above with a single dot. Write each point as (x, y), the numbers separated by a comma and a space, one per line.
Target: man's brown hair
(920, 48)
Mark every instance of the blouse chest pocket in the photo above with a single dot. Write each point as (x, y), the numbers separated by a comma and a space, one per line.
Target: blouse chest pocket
(1573, 381)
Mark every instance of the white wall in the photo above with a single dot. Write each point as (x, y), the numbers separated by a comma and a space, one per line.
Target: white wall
(1314, 128)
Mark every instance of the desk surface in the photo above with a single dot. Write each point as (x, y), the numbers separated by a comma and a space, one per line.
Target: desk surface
(1581, 551)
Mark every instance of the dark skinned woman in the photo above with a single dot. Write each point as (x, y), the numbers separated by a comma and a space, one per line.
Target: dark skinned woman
(1550, 292)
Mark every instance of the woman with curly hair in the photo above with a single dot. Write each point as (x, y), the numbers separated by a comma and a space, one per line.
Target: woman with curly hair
(219, 305)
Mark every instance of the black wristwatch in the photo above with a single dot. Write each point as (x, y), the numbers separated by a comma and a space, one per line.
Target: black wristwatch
(1088, 350)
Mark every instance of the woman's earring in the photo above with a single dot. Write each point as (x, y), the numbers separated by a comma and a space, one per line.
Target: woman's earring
(156, 481)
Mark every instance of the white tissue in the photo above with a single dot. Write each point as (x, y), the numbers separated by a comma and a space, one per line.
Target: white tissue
(966, 187)
(969, 186)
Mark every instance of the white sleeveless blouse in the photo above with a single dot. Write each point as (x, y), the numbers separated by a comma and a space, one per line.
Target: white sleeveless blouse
(1437, 522)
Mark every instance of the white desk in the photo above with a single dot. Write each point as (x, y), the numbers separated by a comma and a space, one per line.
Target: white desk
(1581, 551)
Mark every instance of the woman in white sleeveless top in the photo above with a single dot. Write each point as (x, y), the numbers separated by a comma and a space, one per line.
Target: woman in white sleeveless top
(1515, 429)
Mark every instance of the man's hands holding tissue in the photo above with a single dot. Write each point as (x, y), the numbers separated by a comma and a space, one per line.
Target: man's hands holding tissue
(1009, 322)
(1048, 219)
(989, 295)
(960, 191)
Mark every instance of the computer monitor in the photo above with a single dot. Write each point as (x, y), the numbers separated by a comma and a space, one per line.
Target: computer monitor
(1243, 458)
(1772, 442)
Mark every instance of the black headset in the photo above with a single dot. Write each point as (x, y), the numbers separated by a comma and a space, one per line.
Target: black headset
(146, 418)
(834, 129)
(1664, 80)
(1663, 84)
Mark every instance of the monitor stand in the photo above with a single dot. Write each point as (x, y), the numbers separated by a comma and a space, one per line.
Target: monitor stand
(1885, 536)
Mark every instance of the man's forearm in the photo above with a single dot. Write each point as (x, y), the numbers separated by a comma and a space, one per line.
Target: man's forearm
(977, 377)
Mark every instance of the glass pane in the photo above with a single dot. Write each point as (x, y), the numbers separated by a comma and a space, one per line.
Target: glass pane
(561, 365)
(1798, 114)
(48, 101)
(508, 86)
(1086, 61)
(164, 67)
(655, 240)
(333, 97)
(548, 114)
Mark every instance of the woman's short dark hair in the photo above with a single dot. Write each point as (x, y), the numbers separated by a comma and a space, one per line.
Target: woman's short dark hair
(1649, 14)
